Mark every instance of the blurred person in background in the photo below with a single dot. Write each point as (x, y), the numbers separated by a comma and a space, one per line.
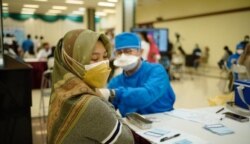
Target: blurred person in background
(224, 58)
(144, 45)
(37, 43)
(30, 53)
(154, 54)
(232, 60)
(27, 44)
(196, 55)
(44, 52)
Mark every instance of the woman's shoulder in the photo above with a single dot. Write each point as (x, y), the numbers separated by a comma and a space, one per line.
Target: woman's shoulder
(99, 103)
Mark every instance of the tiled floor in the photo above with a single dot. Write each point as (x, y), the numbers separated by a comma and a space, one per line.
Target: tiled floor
(192, 91)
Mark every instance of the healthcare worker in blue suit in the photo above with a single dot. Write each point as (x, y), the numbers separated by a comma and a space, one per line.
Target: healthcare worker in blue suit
(142, 87)
(233, 59)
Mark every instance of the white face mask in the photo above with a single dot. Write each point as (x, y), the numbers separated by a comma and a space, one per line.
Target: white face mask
(126, 62)
(240, 51)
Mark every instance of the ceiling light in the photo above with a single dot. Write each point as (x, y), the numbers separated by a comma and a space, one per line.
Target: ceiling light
(100, 13)
(41, 0)
(30, 6)
(74, 2)
(5, 4)
(26, 12)
(51, 14)
(54, 11)
(59, 7)
(112, 1)
(109, 11)
(28, 9)
(81, 9)
(77, 12)
(106, 4)
(5, 8)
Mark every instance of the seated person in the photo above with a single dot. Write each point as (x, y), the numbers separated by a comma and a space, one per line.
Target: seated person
(142, 87)
(77, 114)
(44, 52)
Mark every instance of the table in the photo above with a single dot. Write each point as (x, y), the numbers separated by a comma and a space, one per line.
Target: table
(38, 68)
(240, 136)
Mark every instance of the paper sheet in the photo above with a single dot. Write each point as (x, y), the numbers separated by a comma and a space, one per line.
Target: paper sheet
(156, 134)
(203, 117)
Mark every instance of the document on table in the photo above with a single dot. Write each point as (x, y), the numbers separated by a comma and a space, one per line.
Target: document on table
(203, 117)
(156, 135)
(219, 129)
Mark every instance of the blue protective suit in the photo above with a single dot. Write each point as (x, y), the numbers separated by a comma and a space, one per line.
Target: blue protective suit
(233, 59)
(146, 91)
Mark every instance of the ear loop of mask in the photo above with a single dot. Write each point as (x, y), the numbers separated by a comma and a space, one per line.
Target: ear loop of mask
(69, 60)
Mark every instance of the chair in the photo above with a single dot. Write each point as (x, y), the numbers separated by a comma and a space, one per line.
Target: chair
(45, 92)
(50, 63)
(46, 85)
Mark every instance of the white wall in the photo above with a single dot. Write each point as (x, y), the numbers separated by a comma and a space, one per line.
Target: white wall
(214, 31)
(108, 22)
(51, 32)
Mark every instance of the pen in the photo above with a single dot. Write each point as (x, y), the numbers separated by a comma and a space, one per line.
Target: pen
(220, 110)
(168, 138)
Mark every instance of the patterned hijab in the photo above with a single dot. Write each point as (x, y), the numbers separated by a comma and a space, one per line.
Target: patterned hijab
(72, 53)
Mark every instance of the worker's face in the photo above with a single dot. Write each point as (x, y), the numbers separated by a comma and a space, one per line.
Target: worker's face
(128, 51)
(127, 59)
(99, 53)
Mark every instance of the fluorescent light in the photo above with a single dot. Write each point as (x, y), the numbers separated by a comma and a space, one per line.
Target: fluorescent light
(109, 10)
(51, 14)
(5, 8)
(77, 12)
(5, 4)
(28, 9)
(30, 6)
(100, 13)
(41, 0)
(54, 11)
(81, 9)
(106, 4)
(26, 12)
(59, 7)
(74, 2)
(112, 1)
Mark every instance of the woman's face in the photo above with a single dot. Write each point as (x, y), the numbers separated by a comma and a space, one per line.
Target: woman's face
(99, 53)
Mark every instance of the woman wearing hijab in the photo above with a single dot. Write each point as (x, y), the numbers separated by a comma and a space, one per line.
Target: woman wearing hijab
(77, 114)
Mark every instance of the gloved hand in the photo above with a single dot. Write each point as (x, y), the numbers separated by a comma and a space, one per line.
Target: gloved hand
(103, 92)
(107, 94)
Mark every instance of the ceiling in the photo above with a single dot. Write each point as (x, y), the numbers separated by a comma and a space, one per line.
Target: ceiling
(16, 6)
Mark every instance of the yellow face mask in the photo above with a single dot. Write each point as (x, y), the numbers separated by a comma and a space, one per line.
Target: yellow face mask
(97, 76)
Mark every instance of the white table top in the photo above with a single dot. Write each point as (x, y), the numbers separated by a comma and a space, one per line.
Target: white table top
(34, 60)
(241, 133)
